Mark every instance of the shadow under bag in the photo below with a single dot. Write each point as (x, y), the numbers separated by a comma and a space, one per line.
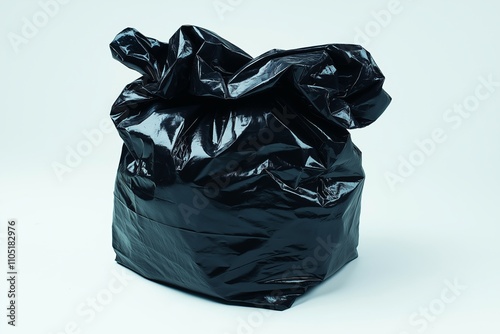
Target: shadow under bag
(238, 179)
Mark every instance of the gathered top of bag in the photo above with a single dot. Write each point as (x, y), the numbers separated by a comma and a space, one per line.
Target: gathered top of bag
(341, 83)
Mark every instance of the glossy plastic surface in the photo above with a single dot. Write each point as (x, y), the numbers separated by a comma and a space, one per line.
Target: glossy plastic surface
(238, 179)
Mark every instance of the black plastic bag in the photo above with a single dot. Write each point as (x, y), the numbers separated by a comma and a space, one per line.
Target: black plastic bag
(238, 179)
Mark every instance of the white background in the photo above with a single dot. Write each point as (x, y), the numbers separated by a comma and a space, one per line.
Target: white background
(440, 224)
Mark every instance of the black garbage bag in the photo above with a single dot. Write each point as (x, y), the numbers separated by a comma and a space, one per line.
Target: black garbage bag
(238, 179)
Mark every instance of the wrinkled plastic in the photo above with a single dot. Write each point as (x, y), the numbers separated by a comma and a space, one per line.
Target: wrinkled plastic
(238, 178)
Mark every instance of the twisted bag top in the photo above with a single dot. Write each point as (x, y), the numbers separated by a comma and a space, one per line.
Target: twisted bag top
(342, 82)
(236, 172)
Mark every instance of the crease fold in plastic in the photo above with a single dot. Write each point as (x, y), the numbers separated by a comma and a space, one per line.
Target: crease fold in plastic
(238, 179)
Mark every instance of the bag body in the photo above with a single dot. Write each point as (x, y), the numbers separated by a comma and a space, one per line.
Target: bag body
(238, 179)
